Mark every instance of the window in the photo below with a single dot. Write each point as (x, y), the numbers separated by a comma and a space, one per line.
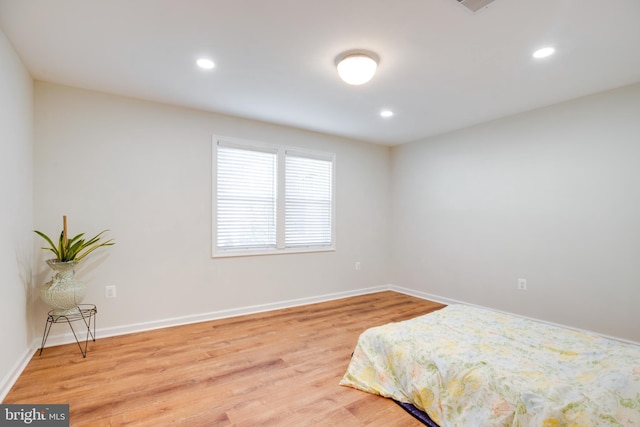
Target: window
(246, 198)
(271, 199)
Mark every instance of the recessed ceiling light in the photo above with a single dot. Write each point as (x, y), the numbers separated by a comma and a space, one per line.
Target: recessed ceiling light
(205, 63)
(544, 52)
(386, 113)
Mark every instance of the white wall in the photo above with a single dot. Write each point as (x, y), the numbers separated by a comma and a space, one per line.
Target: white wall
(143, 170)
(16, 145)
(552, 196)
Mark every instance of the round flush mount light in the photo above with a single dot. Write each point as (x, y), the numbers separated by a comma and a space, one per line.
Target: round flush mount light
(386, 113)
(356, 67)
(205, 63)
(544, 52)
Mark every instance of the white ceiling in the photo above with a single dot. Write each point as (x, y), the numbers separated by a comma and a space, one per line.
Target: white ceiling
(441, 66)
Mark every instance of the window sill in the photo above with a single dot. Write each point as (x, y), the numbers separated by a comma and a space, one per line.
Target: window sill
(257, 252)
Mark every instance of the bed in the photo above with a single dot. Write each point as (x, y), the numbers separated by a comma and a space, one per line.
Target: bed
(467, 366)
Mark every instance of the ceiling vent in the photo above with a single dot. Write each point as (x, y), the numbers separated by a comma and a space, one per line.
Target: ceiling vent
(475, 5)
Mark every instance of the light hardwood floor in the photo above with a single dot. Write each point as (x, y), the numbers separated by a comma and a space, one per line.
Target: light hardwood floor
(279, 368)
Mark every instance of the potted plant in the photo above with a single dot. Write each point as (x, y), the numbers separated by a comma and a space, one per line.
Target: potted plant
(63, 292)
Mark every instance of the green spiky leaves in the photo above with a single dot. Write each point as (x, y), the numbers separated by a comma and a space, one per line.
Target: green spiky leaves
(75, 248)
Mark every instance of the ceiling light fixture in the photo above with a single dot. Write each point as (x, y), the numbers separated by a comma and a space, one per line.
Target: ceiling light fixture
(356, 67)
(205, 63)
(544, 52)
(386, 113)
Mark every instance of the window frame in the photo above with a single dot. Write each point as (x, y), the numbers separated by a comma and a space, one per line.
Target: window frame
(281, 152)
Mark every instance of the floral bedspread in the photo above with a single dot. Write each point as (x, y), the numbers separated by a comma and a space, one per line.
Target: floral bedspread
(466, 366)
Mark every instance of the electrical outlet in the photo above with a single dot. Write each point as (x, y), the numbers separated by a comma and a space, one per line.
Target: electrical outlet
(522, 284)
(358, 266)
(110, 291)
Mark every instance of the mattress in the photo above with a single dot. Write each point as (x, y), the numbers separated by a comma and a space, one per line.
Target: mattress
(466, 366)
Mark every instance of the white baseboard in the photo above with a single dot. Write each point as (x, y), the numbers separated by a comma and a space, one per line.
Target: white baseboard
(449, 301)
(424, 295)
(10, 379)
(67, 337)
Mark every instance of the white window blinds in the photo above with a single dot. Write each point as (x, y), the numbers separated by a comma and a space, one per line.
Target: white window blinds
(246, 198)
(271, 199)
(308, 201)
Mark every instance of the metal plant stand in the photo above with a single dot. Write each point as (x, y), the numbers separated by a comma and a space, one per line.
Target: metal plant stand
(86, 313)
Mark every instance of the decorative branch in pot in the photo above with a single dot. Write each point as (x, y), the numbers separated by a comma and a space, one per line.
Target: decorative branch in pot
(64, 292)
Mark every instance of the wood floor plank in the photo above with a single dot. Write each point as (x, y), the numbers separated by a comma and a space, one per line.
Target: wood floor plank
(278, 368)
